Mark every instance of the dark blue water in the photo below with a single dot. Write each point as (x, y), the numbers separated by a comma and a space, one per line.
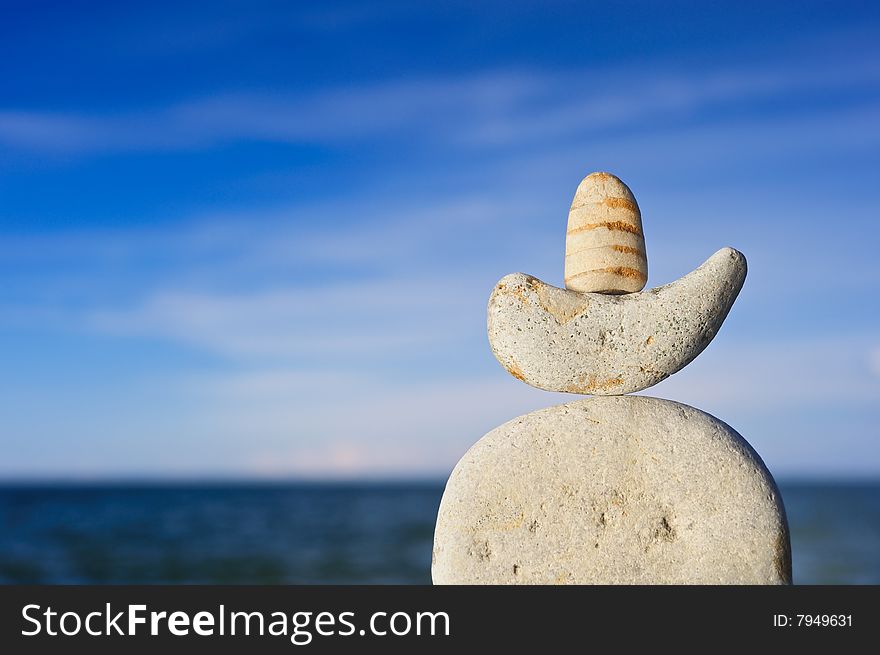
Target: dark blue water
(325, 533)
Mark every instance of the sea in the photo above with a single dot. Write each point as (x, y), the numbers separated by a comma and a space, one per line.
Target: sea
(365, 533)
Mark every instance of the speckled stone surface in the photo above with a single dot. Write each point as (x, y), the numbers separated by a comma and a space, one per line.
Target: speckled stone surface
(612, 490)
(590, 343)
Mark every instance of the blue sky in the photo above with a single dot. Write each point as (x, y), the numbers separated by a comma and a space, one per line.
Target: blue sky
(257, 238)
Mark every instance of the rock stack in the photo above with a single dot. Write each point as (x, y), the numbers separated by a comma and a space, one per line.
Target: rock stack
(613, 489)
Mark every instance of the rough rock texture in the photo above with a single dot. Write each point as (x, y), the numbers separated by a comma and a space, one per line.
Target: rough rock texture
(604, 244)
(619, 490)
(591, 343)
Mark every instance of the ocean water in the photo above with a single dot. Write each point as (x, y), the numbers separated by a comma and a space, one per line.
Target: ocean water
(322, 533)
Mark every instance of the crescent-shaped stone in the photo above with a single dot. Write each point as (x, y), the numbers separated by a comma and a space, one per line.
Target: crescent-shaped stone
(592, 343)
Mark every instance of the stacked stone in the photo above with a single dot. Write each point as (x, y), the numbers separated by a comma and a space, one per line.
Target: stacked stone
(613, 489)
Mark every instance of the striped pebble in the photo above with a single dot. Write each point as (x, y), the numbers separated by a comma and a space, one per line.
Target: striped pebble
(604, 245)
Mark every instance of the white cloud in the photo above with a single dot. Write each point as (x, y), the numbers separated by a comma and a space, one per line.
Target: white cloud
(340, 423)
(874, 360)
(776, 375)
(343, 319)
(493, 108)
(393, 282)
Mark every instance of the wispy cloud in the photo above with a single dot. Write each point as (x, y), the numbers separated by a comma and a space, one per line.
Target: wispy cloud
(490, 109)
(874, 361)
(767, 375)
(348, 113)
(331, 321)
(382, 425)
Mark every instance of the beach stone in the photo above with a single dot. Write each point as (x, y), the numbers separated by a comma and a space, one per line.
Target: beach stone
(592, 343)
(604, 243)
(612, 490)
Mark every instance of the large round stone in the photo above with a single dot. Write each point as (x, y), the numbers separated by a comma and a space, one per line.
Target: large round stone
(612, 490)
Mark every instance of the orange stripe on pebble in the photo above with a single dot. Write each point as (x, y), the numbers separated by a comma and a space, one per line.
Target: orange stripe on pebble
(610, 225)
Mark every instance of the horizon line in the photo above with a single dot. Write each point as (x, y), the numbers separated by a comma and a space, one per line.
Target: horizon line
(397, 480)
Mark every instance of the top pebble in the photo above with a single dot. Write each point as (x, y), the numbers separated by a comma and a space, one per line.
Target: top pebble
(604, 245)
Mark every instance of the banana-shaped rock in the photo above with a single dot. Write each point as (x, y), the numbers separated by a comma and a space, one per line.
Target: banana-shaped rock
(600, 344)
